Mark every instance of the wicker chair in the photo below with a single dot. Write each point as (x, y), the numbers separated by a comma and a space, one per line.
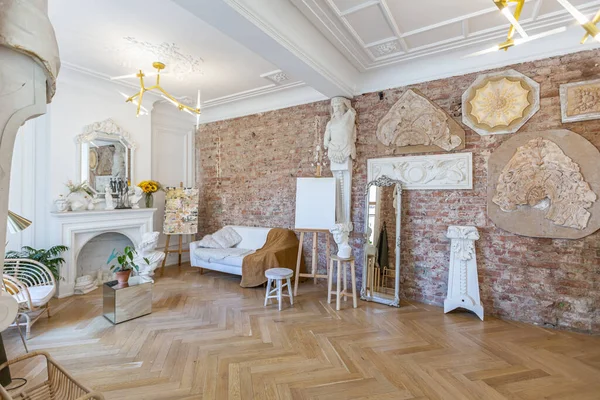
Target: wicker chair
(60, 385)
(32, 285)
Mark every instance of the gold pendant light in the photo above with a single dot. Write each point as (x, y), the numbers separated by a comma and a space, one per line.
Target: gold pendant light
(163, 93)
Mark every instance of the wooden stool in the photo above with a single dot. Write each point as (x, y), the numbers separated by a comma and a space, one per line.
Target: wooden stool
(342, 263)
(278, 275)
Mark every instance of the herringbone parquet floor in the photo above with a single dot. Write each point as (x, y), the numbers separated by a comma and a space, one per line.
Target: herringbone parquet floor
(207, 338)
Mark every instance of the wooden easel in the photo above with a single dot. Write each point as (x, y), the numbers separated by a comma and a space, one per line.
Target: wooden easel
(180, 249)
(315, 256)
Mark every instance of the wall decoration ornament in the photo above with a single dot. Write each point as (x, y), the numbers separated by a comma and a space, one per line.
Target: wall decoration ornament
(500, 102)
(580, 101)
(416, 124)
(545, 184)
(540, 175)
(463, 285)
(436, 171)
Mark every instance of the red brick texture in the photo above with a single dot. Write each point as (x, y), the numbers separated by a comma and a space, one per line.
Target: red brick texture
(549, 282)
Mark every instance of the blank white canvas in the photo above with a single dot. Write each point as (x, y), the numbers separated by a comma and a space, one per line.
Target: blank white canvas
(315, 203)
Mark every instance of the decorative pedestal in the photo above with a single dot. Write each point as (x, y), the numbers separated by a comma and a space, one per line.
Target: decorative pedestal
(463, 286)
(128, 301)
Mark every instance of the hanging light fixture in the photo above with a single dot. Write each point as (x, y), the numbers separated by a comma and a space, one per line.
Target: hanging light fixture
(590, 26)
(515, 26)
(163, 93)
(16, 223)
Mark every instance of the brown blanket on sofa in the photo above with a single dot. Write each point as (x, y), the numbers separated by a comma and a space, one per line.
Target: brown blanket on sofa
(279, 251)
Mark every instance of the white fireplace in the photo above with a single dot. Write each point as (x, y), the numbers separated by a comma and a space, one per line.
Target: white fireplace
(77, 228)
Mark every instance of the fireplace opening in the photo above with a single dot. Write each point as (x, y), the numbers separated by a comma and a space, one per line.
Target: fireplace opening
(92, 270)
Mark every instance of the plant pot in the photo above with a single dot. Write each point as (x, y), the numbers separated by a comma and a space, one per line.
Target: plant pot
(123, 276)
(149, 200)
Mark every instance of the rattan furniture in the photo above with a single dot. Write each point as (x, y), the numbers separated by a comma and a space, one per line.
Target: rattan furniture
(59, 385)
(32, 285)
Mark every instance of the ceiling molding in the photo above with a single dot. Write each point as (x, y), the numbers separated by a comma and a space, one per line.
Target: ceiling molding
(391, 49)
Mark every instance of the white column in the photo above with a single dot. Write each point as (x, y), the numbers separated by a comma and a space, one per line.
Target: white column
(463, 285)
(22, 97)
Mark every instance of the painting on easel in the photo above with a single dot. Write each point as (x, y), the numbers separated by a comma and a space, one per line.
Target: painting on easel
(181, 211)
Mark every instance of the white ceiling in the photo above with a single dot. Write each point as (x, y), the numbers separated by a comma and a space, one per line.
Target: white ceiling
(116, 37)
(376, 33)
(267, 54)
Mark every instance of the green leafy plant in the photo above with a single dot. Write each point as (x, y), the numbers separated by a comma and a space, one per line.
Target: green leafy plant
(51, 258)
(124, 260)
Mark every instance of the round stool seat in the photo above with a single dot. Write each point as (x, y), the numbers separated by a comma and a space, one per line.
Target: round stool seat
(279, 273)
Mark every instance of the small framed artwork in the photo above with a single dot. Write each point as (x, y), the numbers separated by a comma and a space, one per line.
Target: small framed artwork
(580, 101)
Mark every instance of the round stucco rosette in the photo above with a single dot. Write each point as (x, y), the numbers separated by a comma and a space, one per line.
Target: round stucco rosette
(500, 102)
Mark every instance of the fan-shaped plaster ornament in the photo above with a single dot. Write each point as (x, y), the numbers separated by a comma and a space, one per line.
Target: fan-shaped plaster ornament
(500, 102)
(415, 124)
(545, 184)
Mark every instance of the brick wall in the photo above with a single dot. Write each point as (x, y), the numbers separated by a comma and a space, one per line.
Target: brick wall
(545, 281)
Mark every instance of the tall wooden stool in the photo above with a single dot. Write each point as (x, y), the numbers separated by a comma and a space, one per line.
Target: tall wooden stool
(278, 275)
(342, 264)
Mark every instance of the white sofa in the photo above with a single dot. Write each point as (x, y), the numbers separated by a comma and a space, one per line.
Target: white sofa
(252, 240)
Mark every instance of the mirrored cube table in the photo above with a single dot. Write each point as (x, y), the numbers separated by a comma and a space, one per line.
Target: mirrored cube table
(125, 302)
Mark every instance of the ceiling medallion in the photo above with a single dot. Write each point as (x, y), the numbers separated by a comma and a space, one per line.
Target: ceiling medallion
(180, 64)
(385, 48)
(500, 102)
(159, 66)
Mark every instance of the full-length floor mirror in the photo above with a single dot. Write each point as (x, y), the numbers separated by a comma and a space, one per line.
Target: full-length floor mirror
(381, 273)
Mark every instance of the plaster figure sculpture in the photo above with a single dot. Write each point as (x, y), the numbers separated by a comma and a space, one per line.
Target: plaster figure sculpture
(146, 251)
(340, 235)
(463, 285)
(135, 198)
(28, 72)
(415, 121)
(545, 184)
(110, 202)
(340, 139)
(500, 102)
(540, 175)
(340, 133)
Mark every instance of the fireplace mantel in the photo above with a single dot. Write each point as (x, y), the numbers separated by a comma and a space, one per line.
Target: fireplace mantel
(76, 228)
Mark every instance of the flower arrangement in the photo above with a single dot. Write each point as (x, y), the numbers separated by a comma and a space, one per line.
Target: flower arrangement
(149, 188)
(77, 188)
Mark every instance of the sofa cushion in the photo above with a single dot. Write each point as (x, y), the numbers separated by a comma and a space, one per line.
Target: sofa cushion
(252, 237)
(209, 242)
(231, 256)
(40, 295)
(227, 237)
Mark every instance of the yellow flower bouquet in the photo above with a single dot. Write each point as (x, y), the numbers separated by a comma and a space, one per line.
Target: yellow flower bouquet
(149, 188)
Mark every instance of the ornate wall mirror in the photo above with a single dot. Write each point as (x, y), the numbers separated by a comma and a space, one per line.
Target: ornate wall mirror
(381, 272)
(104, 151)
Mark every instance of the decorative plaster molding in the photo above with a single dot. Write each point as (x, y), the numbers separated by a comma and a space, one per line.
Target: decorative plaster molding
(500, 102)
(580, 101)
(277, 76)
(177, 62)
(106, 127)
(430, 172)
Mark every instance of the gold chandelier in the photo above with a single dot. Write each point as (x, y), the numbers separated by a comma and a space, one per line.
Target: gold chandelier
(163, 93)
(589, 26)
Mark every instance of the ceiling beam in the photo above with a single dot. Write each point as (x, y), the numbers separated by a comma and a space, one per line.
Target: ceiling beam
(282, 35)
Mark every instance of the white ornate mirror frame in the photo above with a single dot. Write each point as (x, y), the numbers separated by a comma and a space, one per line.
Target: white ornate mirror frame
(366, 292)
(106, 130)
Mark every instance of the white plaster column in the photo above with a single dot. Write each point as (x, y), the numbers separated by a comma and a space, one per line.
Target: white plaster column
(463, 285)
(22, 97)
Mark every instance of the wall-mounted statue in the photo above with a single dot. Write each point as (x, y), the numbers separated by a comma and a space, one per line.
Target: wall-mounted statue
(415, 124)
(340, 139)
(340, 133)
(545, 184)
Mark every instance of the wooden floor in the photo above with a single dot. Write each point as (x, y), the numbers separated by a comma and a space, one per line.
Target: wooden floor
(207, 338)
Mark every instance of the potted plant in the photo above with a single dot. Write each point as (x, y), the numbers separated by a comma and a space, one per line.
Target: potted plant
(125, 264)
(51, 258)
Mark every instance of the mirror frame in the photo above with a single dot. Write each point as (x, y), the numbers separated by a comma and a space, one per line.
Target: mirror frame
(105, 130)
(383, 181)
